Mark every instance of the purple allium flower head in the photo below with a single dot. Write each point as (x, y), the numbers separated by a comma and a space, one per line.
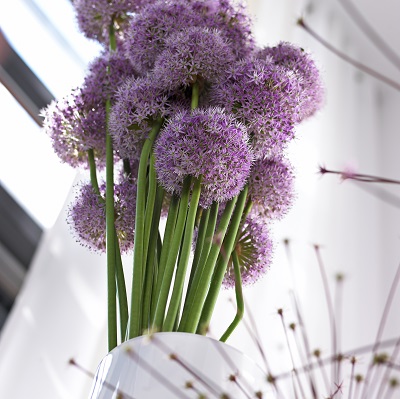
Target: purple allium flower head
(194, 54)
(105, 74)
(206, 142)
(77, 123)
(95, 16)
(296, 59)
(73, 131)
(148, 31)
(92, 130)
(232, 20)
(87, 216)
(271, 187)
(260, 94)
(254, 249)
(138, 103)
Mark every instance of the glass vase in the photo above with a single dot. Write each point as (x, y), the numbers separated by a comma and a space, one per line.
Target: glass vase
(174, 365)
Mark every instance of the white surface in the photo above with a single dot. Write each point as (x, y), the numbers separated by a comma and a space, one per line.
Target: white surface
(57, 316)
(60, 312)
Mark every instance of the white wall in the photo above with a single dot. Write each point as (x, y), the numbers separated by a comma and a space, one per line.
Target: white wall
(358, 232)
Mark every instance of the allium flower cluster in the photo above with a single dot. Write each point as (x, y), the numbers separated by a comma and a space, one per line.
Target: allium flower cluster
(254, 249)
(95, 16)
(207, 143)
(192, 55)
(271, 187)
(296, 59)
(263, 96)
(87, 216)
(172, 56)
(149, 29)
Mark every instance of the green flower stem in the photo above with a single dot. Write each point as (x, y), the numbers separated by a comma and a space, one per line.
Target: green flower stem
(110, 229)
(176, 323)
(151, 272)
(121, 291)
(165, 247)
(111, 34)
(151, 196)
(199, 243)
(93, 173)
(195, 299)
(247, 208)
(138, 265)
(173, 253)
(183, 258)
(159, 249)
(198, 216)
(127, 167)
(195, 95)
(208, 241)
(222, 263)
(110, 238)
(239, 299)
